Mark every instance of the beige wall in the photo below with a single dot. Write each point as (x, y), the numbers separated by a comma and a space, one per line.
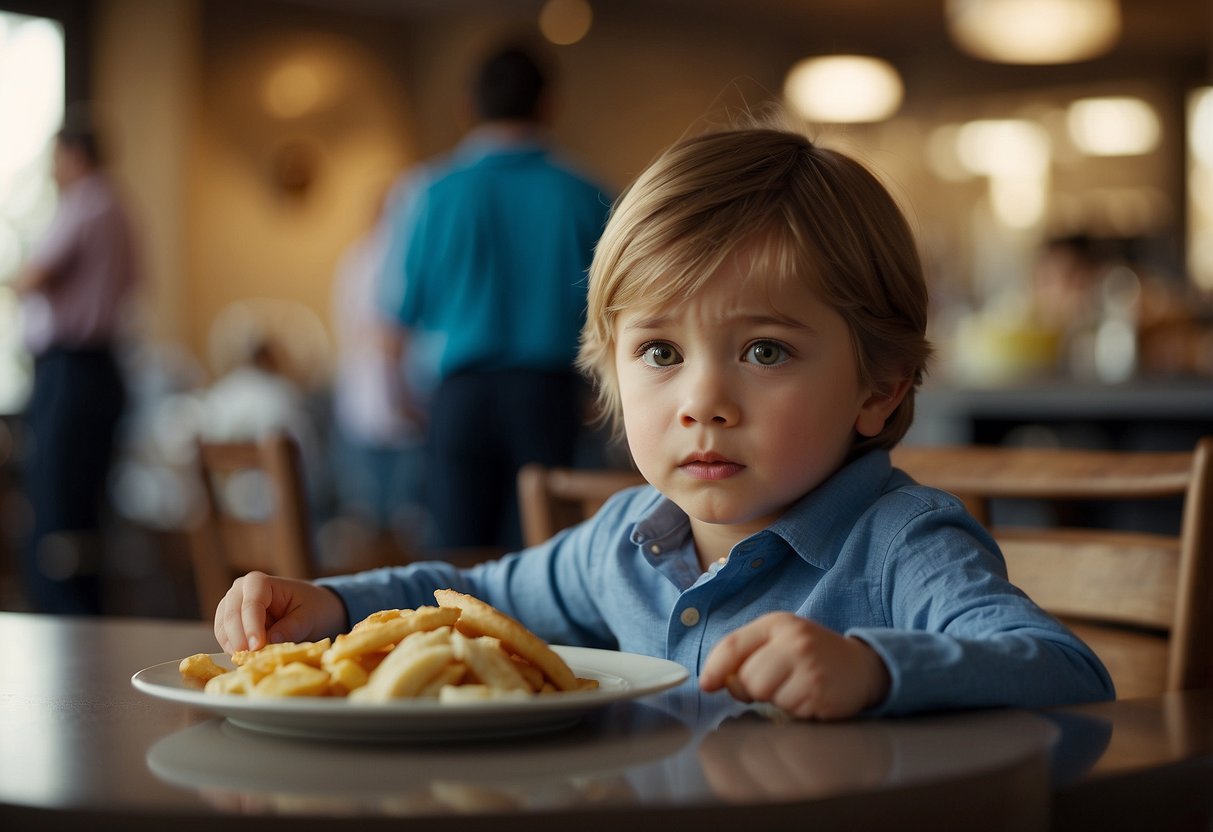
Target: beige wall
(187, 78)
(146, 69)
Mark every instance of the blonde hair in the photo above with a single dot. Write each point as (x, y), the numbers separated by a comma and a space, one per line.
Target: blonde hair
(806, 212)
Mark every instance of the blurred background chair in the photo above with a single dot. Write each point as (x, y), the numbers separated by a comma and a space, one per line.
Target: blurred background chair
(254, 515)
(1143, 601)
(552, 499)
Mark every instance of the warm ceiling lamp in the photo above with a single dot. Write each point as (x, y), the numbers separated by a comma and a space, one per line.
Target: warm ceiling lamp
(842, 89)
(1113, 126)
(565, 22)
(1034, 31)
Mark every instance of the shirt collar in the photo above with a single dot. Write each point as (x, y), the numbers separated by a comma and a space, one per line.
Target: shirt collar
(488, 140)
(815, 527)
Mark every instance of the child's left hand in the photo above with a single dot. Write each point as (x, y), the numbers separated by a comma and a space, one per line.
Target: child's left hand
(800, 667)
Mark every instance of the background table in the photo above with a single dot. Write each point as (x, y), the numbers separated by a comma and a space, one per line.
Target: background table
(82, 748)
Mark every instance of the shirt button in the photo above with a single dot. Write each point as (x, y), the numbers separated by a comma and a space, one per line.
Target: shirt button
(756, 563)
(689, 617)
(655, 549)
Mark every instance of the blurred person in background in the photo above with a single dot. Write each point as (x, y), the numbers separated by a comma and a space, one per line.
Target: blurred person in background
(73, 290)
(489, 249)
(378, 401)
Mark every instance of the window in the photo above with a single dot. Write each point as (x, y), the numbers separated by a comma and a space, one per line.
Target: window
(31, 109)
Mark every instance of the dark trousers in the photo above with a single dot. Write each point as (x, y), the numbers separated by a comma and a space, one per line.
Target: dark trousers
(71, 425)
(484, 426)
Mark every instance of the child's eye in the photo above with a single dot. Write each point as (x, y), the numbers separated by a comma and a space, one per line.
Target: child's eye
(659, 354)
(766, 353)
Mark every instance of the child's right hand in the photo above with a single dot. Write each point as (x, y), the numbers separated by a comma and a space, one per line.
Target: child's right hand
(260, 609)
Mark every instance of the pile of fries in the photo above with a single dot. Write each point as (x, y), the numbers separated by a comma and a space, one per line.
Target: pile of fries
(461, 650)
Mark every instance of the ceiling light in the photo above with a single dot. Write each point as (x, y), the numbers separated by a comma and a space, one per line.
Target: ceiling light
(844, 89)
(564, 22)
(1034, 31)
(1004, 148)
(1113, 126)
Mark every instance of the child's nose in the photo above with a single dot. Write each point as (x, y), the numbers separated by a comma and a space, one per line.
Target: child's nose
(709, 401)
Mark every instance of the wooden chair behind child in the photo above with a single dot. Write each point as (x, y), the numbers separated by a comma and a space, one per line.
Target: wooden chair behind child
(1143, 601)
(552, 499)
(254, 515)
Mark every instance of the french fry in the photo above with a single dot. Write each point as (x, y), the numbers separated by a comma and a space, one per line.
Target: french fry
(462, 650)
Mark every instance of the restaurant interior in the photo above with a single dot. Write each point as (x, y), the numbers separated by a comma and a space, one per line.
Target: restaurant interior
(253, 139)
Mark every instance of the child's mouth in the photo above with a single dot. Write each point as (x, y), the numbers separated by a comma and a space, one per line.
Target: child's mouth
(702, 469)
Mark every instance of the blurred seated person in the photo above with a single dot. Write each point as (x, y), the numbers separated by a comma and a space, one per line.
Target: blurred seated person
(1065, 280)
(259, 395)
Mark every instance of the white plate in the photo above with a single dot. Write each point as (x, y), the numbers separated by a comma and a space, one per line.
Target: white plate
(620, 676)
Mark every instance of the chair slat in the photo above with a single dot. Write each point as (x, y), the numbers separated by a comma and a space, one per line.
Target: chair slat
(1154, 593)
(552, 499)
(1048, 474)
(1135, 660)
(1105, 576)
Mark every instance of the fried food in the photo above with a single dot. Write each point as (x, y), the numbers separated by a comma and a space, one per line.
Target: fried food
(201, 668)
(369, 636)
(489, 663)
(477, 618)
(462, 650)
(293, 679)
(411, 665)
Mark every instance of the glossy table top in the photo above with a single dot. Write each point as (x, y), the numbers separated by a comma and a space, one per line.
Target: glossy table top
(81, 745)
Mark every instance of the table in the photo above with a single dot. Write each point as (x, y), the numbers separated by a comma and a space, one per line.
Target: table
(82, 749)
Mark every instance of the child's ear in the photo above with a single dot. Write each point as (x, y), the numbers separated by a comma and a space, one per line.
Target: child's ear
(879, 405)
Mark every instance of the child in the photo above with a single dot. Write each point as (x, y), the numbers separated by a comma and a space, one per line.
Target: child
(756, 323)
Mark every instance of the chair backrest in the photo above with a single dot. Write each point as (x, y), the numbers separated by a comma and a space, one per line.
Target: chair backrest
(1142, 600)
(254, 515)
(551, 499)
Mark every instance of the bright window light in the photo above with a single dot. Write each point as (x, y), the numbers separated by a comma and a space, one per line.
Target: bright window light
(31, 111)
(1200, 188)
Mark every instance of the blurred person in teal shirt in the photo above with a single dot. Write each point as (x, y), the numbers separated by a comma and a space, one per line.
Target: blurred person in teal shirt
(488, 250)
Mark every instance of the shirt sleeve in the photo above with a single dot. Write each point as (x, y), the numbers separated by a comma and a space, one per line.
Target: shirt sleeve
(961, 635)
(62, 238)
(548, 588)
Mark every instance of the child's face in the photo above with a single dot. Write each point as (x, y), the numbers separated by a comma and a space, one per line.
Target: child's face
(742, 399)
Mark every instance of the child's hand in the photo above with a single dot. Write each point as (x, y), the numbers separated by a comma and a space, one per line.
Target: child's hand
(260, 608)
(798, 666)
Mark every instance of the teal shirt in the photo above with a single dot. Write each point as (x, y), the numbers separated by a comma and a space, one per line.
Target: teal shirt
(490, 249)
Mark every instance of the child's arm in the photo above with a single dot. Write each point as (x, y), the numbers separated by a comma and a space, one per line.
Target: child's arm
(260, 608)
(800, 667)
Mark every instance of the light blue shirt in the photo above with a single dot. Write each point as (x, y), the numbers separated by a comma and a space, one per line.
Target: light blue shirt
(490, 247)
(868, 553)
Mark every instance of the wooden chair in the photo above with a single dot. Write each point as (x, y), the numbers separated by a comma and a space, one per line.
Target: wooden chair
(552, 499)
(1142, 601)
(254, 515)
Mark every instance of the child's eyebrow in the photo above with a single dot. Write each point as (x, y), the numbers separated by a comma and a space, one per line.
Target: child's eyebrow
(656, 322)
(662, 321)
(772, 320)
